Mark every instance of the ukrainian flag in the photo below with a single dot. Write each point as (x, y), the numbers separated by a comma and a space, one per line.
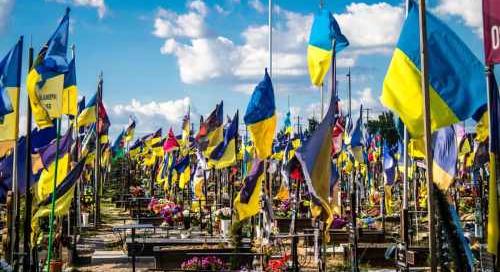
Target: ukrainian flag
(325, 32)
(224, 155)
(445, 157)
(183, 169)
(63, 198)
(70, 91)
(260, 117)
(215, 129)
(88, 114)
(456, 76)
(315, 158)
(10, 82)
(129, 133)
(247, 202)
(288, 124)
(45, 80)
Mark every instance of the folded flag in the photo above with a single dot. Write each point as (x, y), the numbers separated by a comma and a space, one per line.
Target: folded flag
(445, 156)
(325, 32)
(88, 115)
(224, 154)
(153, 138)
(288, 124)
(260, 117)
(456, 76)
(70, 91)
(45, 80)
(247, 202)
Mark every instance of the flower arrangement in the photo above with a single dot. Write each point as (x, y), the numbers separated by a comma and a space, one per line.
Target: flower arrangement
(136, 191)
(223, 213)
(284, 209)
(170, 211)
(210, 263)
(278, 265)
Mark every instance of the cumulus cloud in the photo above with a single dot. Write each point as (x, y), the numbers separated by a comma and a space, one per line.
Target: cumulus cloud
(151, 115)
(219, 9)
(470, 11)
(5, 10)
(202, 55)
(371, 26)
(100, 5)
(257, 5)
(366, 98)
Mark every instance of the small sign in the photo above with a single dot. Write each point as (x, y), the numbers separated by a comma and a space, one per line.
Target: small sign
(410, 257)
(50, 96)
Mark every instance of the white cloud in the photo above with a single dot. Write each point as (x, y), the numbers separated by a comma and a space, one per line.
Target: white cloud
(370, 26)
(169, 24)
(219, 9)
(202, 55)
(469, 10)
(100, 5)
(151, 115)
(5, 9)
(366, 98)
(257, 5)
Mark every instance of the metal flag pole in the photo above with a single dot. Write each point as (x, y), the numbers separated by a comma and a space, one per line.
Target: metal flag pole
(27, 171)
(427, 133)
(53, 197)
(404, 213)
(349, 91)
(14, 236)
(97, 177)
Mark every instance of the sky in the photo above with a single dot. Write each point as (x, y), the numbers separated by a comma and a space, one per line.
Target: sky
(161, 57)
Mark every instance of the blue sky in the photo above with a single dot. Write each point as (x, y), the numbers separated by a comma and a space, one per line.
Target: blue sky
(159, 56)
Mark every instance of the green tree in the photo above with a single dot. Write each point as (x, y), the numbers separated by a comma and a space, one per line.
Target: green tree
(385, 126)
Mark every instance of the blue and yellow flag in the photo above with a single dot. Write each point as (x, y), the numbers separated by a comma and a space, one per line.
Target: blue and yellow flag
(456, 76)
(183, 169)
(70, 91)
(129, 133)
(63, 198)
(10, 82)
(89, 113)
(45, 80)
(314, 157)
(260, 117)
(214, 130)
(288, 124)
(445, 157)
(325, 32)
(247, 202)
(493, 228)
(224, 155)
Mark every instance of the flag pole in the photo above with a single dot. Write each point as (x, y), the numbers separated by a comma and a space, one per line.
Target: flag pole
(97, 177)
(27, 171)
(53, 200)
(427, 134)
(404, 213)
(14, 236)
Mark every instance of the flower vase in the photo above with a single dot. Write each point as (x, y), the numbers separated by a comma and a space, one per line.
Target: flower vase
(225, 227)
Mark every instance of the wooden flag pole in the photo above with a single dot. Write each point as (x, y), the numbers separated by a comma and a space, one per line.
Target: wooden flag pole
(53, 200)
(427, 133)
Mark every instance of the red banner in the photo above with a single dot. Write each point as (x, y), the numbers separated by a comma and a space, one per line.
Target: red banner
(491, 20)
